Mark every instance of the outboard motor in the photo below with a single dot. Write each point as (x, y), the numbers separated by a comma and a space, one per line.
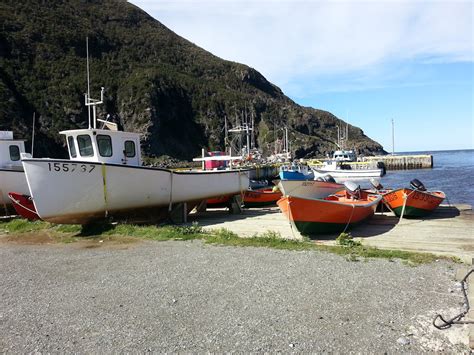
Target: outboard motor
(381, 165)
(417, 185)
(376, 184)
(352, 189)
(329, 178)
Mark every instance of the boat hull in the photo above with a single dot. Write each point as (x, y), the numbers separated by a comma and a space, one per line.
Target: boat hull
(309, 189)
(23, 205)
(418, 203)
(261, 198)
(11, 180)
(342, 175)
(323, 216)
(78, 192)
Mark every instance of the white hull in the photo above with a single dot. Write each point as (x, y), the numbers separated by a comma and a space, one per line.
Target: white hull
(342, 175)
(66, 191)
(309, 188)
(12, 180)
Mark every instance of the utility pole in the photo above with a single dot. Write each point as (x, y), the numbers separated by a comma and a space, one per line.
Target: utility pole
(393, 137)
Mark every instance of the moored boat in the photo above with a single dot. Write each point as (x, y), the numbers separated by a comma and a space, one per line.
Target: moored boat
(334, 213)
(296, 172)
(344, 172)
(415, 201)
(12, 176)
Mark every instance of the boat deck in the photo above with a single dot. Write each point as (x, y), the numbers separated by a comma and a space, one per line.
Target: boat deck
(448, 231)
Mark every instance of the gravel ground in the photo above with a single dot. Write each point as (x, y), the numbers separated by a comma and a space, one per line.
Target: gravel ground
(193, 297)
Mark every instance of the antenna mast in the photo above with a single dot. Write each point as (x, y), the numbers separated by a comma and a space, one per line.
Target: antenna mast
(88, 100)
(393, 137)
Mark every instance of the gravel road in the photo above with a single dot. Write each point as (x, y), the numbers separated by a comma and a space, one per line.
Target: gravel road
(193, 297)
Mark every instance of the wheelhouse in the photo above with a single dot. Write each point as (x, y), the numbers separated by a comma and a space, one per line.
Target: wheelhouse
(104, 146)
(10, 151)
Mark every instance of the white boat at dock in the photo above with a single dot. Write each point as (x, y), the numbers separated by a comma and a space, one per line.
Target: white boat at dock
(342, 172)
(104, 177)
(12, 176)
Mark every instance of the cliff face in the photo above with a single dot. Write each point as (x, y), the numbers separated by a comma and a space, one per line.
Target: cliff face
(157, 83)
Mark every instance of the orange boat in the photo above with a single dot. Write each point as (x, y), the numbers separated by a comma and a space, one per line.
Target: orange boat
(261, 197)
(414, 201)
(334, 213)
(219, 201)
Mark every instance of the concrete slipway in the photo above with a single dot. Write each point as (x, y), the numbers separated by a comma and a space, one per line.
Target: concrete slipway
(448, 231)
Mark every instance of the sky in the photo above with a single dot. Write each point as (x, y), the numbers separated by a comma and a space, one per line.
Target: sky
(368, 62)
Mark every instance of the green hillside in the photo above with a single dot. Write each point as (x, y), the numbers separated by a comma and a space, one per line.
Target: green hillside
(157, 83)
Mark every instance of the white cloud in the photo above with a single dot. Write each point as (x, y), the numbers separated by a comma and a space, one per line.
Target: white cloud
(289, 40)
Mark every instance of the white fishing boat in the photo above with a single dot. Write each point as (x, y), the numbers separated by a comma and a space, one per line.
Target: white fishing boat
(12, 176)
(344, 172)
(309, 188)
(104, 177)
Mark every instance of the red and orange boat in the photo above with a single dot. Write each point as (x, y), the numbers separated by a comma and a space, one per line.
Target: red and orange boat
(24, 206)
(261, 197)
(334, 213)
(414, 201)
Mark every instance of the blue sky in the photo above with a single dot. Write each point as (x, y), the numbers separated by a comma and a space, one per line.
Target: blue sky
(365, 61)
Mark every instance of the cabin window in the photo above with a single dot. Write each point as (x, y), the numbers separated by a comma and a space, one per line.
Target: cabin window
(72, 147)
(85, 145)
(129, 150)
(104, 144)
(14, 153)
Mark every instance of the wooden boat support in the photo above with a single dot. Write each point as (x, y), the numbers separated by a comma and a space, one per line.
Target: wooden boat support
(403, 162)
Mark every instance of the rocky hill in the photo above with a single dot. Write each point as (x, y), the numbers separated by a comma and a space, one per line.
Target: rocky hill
(157, 83)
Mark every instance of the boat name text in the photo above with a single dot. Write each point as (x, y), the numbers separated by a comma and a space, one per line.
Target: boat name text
(71, 167)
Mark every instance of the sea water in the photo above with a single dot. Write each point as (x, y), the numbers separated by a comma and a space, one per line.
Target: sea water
(452, 173)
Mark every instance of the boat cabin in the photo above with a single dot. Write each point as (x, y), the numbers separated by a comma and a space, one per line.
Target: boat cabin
(10, 150)
(344, 155)
(104, 146)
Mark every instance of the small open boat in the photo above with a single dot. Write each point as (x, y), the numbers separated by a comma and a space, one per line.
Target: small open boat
(414, 201)
(23, 205)
(334, 213)
(310, 188)
(261, 197)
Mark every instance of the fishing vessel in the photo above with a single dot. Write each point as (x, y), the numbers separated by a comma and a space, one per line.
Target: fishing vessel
(12, 176)
(415, 201)
(104, 178)
(345, 172)
(296, 171)
(334, 213)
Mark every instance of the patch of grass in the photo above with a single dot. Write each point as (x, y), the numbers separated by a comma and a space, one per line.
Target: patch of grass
(346, 246)
(23, 226)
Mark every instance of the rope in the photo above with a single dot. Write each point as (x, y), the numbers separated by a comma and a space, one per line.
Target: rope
(350, 218)
(405, 198)
(456, 319)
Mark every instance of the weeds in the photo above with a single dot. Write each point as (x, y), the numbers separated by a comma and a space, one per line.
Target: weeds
(345, 246)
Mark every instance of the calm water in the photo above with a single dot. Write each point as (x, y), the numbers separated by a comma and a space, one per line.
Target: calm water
(453, 173)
